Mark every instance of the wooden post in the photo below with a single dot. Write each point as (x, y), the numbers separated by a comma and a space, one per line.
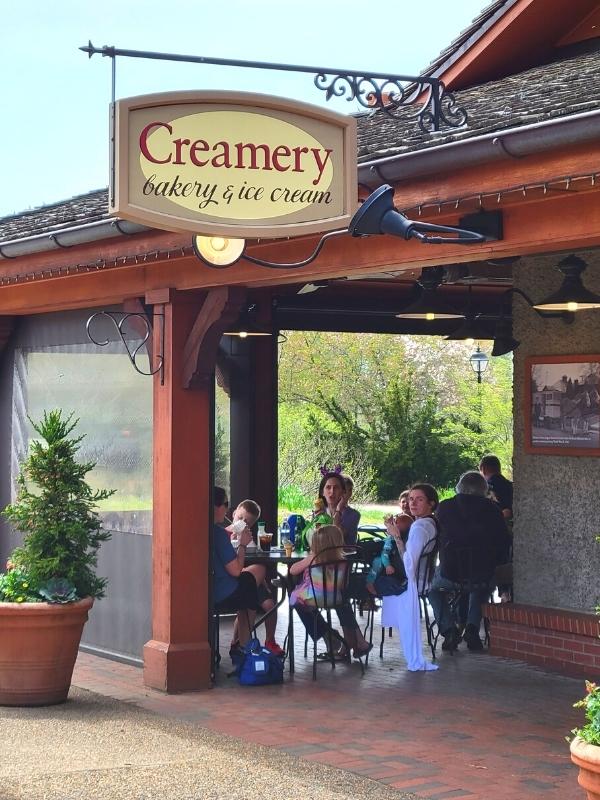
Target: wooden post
(264, 429)
(177, 658)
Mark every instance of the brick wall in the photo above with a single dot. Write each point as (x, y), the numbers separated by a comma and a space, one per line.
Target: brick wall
(559, 640)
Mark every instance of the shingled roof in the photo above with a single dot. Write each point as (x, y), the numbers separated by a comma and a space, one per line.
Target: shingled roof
(569, 85)
(80, 210)
(469, 35)
(566, 86)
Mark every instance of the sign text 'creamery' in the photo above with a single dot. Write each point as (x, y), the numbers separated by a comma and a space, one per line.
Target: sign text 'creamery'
(238, 165)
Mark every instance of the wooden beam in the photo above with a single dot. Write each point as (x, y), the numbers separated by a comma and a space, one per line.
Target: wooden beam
(548, 223)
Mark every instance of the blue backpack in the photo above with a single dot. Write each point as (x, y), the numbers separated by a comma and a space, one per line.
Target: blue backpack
(258, 666)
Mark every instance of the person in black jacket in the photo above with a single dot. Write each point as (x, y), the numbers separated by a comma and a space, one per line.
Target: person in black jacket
(473, 540)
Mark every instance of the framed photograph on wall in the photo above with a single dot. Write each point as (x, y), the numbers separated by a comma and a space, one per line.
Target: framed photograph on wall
(562, 405)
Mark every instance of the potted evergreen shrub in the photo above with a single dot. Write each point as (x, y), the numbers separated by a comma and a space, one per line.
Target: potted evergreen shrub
(51, 580)
(585, 747)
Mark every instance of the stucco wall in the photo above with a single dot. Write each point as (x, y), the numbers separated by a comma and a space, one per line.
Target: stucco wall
(557, 498)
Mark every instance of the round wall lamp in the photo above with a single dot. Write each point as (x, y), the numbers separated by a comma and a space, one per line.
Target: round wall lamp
(218, 251)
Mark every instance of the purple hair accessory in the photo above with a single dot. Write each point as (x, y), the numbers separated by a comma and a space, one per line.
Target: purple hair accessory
(325, 470)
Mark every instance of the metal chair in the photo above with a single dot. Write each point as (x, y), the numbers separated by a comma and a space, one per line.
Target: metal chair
(329, 584)
(425, 571)
(470, 566)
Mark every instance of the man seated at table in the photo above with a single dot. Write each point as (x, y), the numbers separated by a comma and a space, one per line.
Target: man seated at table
(248, 511)
(473, 540)
(500, 487)
(235, 589)
(501, 492)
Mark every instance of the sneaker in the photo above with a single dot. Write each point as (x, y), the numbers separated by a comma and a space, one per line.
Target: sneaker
(275, 648)
(472, 639)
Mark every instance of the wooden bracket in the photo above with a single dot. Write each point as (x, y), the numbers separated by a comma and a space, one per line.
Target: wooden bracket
(220, 309)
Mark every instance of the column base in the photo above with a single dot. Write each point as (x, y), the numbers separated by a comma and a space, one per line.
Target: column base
(556, 639)
(174, 668)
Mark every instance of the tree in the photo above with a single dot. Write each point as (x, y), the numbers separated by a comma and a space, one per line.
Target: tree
(62, 530)
(393, 409)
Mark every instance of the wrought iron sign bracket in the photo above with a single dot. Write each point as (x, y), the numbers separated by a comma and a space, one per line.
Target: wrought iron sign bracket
(391, 94)
(119, 319)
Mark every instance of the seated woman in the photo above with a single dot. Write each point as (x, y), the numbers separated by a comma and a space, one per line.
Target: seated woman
(332, 505)
(402, 611)
(326, 545)
(235, 588)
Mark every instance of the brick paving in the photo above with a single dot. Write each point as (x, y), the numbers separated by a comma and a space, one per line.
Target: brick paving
(480, 728)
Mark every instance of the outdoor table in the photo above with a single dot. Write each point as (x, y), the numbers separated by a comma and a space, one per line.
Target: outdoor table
(277, 556)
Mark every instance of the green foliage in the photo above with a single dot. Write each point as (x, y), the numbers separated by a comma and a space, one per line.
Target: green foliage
(16, 587)
(293, 500)
(392, 409)
(62, 530)
(590, 732)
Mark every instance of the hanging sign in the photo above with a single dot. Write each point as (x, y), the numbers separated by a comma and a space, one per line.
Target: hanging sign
(237, 165)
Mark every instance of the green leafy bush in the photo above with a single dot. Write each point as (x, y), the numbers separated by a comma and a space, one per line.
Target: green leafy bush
(590, 732)
(55, 510)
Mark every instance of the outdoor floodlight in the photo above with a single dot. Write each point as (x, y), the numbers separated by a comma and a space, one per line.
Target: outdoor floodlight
(378, 215)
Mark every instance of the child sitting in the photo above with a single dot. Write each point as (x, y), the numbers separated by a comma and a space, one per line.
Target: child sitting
(248, 511)
(327, 545)
(380, 579)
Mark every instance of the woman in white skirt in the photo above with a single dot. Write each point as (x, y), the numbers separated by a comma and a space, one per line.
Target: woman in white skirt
(402, 611)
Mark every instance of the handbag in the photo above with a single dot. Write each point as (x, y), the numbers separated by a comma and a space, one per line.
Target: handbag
(258, 666)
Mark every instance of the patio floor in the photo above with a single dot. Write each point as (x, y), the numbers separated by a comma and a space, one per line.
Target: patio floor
(481, 728)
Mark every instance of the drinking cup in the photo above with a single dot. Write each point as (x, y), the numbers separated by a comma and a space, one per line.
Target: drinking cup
(265, 541)
(289, 547)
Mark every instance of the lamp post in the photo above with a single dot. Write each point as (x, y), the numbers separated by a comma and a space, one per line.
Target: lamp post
(479, 363)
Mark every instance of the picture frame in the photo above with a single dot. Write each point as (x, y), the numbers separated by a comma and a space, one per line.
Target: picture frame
(562, 405)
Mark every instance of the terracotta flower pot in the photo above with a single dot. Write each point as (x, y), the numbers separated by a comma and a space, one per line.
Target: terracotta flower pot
(38, 648)
(587, 758)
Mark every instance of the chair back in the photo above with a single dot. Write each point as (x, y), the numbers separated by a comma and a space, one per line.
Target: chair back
(329, 578)
(427, 564)
(473, 566)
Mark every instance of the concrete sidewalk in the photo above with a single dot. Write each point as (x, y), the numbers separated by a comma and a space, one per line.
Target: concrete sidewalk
(98, 748)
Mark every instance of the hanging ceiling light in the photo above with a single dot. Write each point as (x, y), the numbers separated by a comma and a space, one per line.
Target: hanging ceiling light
(572, 295)
(248, 325)
(218, 251)
(470, 330)
(430, 305)
(504, 342)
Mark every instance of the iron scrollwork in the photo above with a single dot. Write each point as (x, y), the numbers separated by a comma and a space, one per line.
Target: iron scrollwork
(394, 94)
(391, 94)
(119, 319)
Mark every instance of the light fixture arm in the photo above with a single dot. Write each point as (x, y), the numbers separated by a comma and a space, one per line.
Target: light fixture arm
(419, 230)
(295, 264)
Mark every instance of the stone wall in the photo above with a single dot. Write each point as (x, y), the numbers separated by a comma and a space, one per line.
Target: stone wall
(557, 498)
